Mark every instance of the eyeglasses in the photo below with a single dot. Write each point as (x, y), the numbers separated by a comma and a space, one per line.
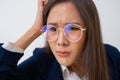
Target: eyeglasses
(72, 32)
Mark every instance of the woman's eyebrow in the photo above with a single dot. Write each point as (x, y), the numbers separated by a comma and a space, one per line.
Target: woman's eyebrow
(65, 23)
(52, 24)
(72, 23)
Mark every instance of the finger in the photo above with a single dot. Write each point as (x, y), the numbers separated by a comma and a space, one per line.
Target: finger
(44, 2)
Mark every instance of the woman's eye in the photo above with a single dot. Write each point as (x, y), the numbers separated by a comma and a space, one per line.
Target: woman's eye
(52, 29)
(73, 28)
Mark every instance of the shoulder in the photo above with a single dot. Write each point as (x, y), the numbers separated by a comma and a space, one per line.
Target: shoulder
(43, 57)
(113, 58)
(1, 44)
(42, 53)
(112, 51)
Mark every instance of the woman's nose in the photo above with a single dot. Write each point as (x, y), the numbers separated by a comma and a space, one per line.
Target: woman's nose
(61, 40)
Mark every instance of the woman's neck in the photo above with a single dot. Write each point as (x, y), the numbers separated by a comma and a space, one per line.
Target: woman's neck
(78, 68)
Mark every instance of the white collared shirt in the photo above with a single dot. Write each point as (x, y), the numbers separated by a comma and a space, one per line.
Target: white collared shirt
(67, 75)
(10, 47)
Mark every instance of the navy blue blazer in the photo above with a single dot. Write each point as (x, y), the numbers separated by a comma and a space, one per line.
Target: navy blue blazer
(43, 66)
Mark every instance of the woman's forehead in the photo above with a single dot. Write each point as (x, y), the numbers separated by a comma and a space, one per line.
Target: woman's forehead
(64, 13)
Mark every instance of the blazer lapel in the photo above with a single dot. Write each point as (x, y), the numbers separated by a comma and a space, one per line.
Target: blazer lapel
(55, 73)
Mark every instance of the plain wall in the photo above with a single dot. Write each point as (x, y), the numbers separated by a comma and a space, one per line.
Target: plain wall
(17, 16)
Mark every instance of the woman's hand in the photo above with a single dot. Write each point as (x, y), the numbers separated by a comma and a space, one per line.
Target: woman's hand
(38, 24)
(34, 31)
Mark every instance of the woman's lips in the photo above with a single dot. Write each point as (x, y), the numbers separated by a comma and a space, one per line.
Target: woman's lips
(63, 53)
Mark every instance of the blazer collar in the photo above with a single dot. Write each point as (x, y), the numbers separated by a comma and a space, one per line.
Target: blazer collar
(55, 73)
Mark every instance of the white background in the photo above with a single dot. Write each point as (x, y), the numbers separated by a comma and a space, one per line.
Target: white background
(17, 16)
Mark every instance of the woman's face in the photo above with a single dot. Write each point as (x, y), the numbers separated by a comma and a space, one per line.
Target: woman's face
(66, 52)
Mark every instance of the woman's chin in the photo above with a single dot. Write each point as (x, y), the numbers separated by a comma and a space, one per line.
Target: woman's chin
(64, 63)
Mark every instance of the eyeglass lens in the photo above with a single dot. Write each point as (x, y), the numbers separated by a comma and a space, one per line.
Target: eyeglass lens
(71, 31)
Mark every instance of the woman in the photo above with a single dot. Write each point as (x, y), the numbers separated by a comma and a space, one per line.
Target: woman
(74, 49)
